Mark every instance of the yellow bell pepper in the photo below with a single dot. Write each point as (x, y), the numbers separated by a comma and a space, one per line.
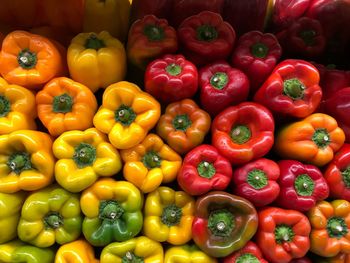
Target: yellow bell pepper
(150, 163)
(26, 161)
(78, 251)
(187, 254)
(168, 216)
(17, 108)
(139, 249)
(127, 114)
(96, 60)
(83, 156)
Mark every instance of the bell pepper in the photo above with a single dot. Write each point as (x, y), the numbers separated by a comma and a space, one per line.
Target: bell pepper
(292, 89)
(283, 234)
(17, 108)
(205, 38)
(136, 250)
(65, 105)
(301, 260)
(250, 253)
(109, 15)
(84, 156)
(221, 86)
(10, 210)
(29, 60)
(150, 38)
(243, 132)
(51, 215)
(340, 258)
(168, 216)
(187, 254)
(150, 163)
(223, 223)
(204, 169)
(76, 251)
(171, 78)
(96, 60)
(19, 252)
(26, 162)
(257, 181)
(256, 54)
(312, 140)
(330, 222)
(126, 114)
(302, 185)
(112, 211)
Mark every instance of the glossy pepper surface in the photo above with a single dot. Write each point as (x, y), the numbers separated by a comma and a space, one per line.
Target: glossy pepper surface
(312, 140)
(126, 114)
(79, 251)
(83, 157)
(187, 254)
(57, 217)
(243, 132)
(96, 60)
(223, 223)
(250, 253)
(27, 162)
(150, 163)
(283, 234)
(183, 125)
(112, 211)
(64, 105)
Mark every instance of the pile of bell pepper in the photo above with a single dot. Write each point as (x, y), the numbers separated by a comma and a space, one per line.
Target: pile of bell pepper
(182, 134)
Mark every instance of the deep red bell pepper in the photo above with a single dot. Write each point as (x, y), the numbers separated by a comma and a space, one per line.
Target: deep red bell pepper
(171, 78)
(256, 54)
(221, 86)
(203, 170)
(302, 185)
(244, 132)
(206, 38)
(301, 260)
(256, 181)
(292, 89)
(250, 253)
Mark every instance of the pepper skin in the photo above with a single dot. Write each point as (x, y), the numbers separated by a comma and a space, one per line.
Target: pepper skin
(183, 125)
(256, 181)
(150, 163)
(171, 78)
(301, 260)
(302, 185)
(78, 251)
(65, 105)
(243, 132)
(27, 162)
(250, 253)
(84, 156)
(187, 254)
(112, 211)
(17, 108)
(96, 60)
(126, 114)
(283, 234)
(340, 258)
(29, 60)
(168, 216)
(205, 38)
(51, 215)
(312, 140)
(221, 86)
(223, 223)
(138, 249)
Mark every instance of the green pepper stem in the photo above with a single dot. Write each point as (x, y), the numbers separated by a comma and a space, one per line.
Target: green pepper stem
(171, 215)
(219, 80)
(19, 162)
(346, 177)
(53, 220)
(84, 155)
(151, 160)
(130, 257)
(284, 233)
(182, 122)
(257, 179)
(153, 32)
(125, 115)
(110, 210)
(221, 223)
(259, 50)
(27, 59)
(337, 227)
(293, 88)
(304, 185)
(5, 106)
(62, 103)
(173, 69)
(308, 36)
(206, 169)
(247, 258)
(321, 138)
(93, 42)
(207, 33)
(240, 134)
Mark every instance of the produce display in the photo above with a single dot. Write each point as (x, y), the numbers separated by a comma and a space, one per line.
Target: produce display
(153, 131)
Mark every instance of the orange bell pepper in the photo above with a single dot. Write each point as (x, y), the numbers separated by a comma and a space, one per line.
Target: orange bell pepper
(79, 251)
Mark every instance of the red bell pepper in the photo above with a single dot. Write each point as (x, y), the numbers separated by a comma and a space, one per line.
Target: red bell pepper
(292, 89)
(250, 253)
(256, 54)
(206, 38)
(256, 181)
(337, 174)
(244, 132)
(221, 86)
(302, 185)
(150, 38)
(203, 170)
(283, 234)
(301, 260)
(171, 78)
